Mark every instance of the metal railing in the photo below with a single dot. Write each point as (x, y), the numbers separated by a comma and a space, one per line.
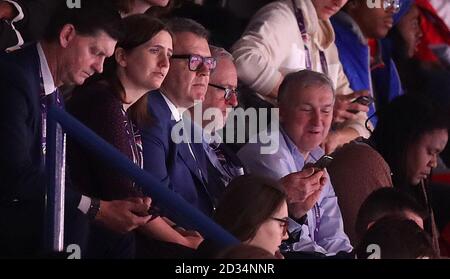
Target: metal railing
(167, 199)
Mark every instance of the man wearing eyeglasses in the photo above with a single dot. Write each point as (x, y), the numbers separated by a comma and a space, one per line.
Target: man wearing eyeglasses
(358, 26)
(220, 99)
(180, 164)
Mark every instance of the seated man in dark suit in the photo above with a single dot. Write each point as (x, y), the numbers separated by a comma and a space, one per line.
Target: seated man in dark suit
(74, 48)
(213, 112)
(178, 163)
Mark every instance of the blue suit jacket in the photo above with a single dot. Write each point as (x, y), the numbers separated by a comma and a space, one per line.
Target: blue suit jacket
(22, 173)
(173, 163)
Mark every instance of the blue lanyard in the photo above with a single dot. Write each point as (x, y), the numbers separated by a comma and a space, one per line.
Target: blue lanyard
(46, 100)
(317, 217)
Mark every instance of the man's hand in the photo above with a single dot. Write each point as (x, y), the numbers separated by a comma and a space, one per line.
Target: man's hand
(123, 216)
(338, 138)
(7, 11)
(343, 106)
(303, 189)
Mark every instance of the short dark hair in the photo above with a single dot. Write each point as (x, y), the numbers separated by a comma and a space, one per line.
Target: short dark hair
(402, 123)
(397, 239)
(302, 79)
(247, 203)
(92, 17)
(383, 202)
(182, 24)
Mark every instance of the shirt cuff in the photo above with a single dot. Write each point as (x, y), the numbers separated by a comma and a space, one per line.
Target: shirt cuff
(85, 204)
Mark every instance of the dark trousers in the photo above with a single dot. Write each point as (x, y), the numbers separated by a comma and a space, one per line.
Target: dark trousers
(23, 232)
(106, 244)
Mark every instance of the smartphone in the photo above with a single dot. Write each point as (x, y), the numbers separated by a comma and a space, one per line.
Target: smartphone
(363, 100)
(323, 162)
(320, 164)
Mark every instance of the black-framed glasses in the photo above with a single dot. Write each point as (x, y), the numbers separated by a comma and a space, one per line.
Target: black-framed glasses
(284, 223)
(392, 4)
(196, 61)
(228, 91)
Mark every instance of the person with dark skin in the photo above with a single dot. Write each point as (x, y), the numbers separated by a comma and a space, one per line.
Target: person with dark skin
(356, 26)
(411, 133)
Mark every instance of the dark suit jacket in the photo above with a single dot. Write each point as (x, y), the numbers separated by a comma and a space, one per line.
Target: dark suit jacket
(97, 107)
(22, 174)
(173, 163)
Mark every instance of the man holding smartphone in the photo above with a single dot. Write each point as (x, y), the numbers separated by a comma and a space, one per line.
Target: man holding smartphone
(306, 101)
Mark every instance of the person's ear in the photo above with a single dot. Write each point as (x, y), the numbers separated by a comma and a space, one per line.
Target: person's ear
(120, 56)
(66, 35)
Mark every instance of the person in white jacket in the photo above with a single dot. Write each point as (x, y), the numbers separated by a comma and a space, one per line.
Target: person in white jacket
(289, 35)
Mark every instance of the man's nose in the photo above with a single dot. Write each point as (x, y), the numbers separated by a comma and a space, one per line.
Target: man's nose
(98, 65)
(233, 101)
(203, 70)
(316, 118)
(434, 162)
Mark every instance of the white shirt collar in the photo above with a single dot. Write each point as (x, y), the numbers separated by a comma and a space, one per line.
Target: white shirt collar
(47, 78)
(176, 112)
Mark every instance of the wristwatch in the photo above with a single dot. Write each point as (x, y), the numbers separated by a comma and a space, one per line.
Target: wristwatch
(93, 209)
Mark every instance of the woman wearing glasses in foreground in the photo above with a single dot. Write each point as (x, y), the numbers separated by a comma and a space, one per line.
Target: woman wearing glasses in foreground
(254, 210)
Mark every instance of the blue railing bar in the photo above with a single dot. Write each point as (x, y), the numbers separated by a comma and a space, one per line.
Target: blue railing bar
(166, 199)
(55, 194)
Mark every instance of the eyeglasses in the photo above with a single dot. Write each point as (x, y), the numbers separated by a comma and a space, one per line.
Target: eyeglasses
(196, 61)
(392, 4)
(284, 223)
(228, 91)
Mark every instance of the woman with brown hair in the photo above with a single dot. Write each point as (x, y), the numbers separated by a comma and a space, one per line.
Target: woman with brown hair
(113, 105)
(254, 210)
